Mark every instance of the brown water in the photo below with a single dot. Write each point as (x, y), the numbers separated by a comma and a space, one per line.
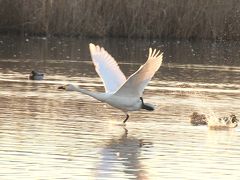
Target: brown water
(51, 134)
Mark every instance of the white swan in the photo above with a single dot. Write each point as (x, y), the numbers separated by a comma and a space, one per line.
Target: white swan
(124, 94)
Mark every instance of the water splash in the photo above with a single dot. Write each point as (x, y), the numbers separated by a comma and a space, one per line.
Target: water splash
(204, 107)
(214, 120)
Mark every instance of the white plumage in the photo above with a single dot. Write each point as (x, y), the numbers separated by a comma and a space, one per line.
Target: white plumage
(107, 68)
(124, 94)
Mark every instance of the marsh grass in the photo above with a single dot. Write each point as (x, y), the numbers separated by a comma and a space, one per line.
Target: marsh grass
(181, 19)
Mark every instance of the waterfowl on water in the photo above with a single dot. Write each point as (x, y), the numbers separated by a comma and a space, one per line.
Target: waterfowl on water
(198, 119)
(219, 123)
(121, 93)
(36, 76)
(224, 123)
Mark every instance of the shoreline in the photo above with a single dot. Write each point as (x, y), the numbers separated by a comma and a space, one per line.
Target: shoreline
(165, 19)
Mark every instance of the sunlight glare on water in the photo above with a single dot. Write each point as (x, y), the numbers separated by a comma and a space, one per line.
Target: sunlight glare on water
(46, 133)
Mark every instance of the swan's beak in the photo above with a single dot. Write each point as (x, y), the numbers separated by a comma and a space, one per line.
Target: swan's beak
(62, 87)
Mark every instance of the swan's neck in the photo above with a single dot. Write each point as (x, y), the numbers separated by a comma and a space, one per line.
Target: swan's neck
(96, 95)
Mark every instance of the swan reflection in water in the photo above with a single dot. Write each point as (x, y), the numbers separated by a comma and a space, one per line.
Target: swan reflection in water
(121, 157)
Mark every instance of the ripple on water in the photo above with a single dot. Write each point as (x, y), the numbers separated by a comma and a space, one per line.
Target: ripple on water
(51, 134)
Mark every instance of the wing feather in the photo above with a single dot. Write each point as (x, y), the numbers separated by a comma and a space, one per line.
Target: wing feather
(135, 84)
(107, 68)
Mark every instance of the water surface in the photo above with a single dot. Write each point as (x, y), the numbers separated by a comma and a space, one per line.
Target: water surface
(50, 134)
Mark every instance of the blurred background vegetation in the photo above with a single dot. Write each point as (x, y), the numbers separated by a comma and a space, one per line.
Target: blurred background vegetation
(176, 19)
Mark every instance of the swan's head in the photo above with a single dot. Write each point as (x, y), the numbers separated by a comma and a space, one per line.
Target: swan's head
(67, 87)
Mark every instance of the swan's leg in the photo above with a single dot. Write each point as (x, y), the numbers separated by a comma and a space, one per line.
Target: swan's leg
(127, 116)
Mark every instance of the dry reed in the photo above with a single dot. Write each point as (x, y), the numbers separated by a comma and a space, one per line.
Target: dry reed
(181, 19)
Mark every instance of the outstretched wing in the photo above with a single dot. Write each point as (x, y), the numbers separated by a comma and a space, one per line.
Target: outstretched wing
(135, 84)
(107, 68)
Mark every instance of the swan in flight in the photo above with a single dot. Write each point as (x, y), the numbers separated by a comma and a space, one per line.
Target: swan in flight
(121, 93)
